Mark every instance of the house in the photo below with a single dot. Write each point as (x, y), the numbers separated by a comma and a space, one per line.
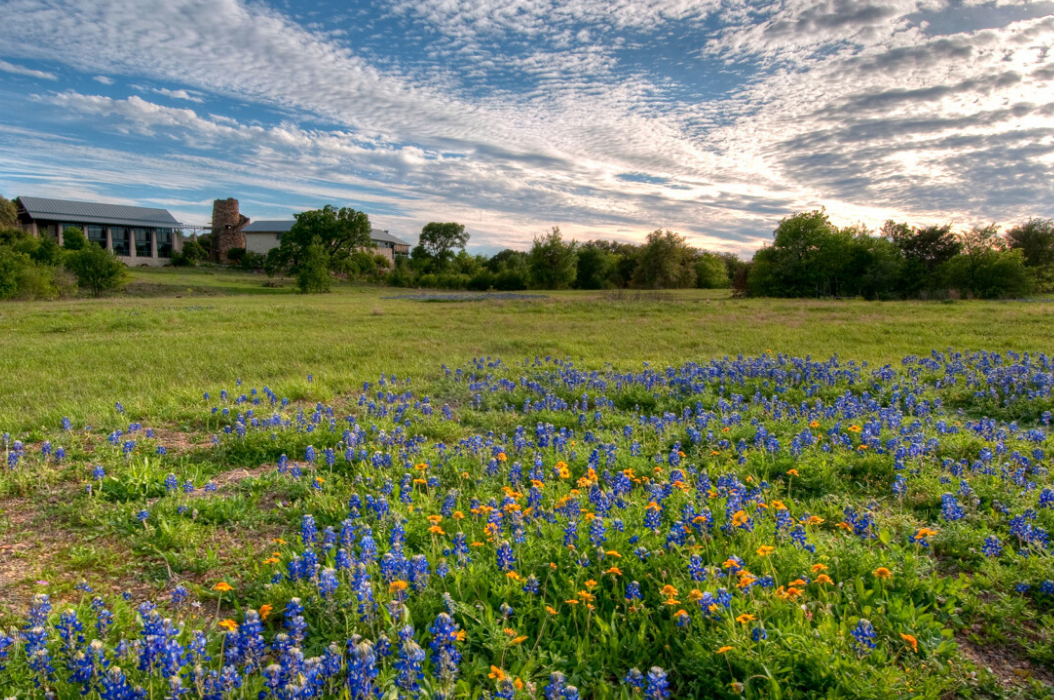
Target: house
(262, 236)
(137, 235)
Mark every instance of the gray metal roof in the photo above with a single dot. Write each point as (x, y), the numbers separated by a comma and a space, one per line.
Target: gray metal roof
(74, 212)
(268, 227)
(284, 226)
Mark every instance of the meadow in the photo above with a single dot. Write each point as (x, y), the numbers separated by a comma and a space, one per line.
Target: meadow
(217, 489)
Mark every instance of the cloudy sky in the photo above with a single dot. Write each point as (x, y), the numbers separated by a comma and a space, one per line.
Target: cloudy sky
(608, 118)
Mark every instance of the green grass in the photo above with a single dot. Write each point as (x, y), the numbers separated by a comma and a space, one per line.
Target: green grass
(155, 354)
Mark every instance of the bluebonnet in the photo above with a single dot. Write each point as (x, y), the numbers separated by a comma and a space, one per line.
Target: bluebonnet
(863, 637)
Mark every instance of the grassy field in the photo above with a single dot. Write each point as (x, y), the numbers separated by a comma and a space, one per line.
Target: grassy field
(157, 353)
(761, 527)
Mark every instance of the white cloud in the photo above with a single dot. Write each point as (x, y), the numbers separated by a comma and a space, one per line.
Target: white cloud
(105, 80)
(22, 70)
(859, 105)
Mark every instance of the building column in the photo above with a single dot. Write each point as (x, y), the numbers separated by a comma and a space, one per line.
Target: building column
(130, 237)
(109, 239)
(58, 234)
(153, 243)
(33, 228)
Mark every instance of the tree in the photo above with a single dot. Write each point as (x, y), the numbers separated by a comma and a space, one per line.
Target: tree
(553, 262)
(807, 258)
(931, 246)
(73, 238)
(595, 266)
(711, 272)
(441, 239)
(8, 213)
(194, 251)
(1035, 240)
(97, 269)
(338, 232)
(666, 262)
(313, 273)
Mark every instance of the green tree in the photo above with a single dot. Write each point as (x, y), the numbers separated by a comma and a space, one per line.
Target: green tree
(711, 272)
(441, 239)
(12, 263)
(73, 238)
(313, 271)
(47, 252)
(97, 269)
(194, 252)
(553, 262)
(8, 213)
(988, 274)
(595, 267)
(1035, 240)
(666, 261)
(339, 233)
(806, 259)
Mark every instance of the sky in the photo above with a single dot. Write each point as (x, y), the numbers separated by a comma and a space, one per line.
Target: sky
(607, 118)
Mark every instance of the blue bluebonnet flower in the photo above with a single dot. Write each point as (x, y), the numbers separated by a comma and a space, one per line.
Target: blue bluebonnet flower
(409, 662)
(635, 679)
(658, 687)
(759, 634)
(950, 508)
(445, 655)
(993, 547)
(863, 637)
(506, 559)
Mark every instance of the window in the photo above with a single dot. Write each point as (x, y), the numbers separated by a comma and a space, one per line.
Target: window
(96, 234)
(142, 242)
(278, 237)
(164, 242)
(119, 234)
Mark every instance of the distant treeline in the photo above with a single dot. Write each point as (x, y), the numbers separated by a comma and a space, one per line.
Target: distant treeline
(809, 257)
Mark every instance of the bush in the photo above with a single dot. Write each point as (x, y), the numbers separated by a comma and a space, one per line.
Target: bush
(235, 255)
(482, 281)
(36, 282)
(47, 251)
(313, 273)
(12, 263)
(511, 281)
(430, 280)
(400, 278)
(97, 269)
(989, 274)
(73, 239)
(253, 261)
(194, 251)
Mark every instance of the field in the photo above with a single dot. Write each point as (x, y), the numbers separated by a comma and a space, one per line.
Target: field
(244, 492)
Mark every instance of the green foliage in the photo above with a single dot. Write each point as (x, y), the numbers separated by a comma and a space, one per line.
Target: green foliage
(73, 238)
(47, 251)
(711, 272)
(553, 262)
(252, 261)
(1035, 240)
(313, 274)
(989, 274)
(8, 213)
(665, 261)
(97, 269)
(338, 232)
(595, 267)
(439, 240)
(12, 263)
(235, 255)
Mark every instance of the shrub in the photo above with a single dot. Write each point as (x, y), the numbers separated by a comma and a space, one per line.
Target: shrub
(12, 263)
(313, 273)
(74, 239)
(97, 269)
(482, 281)
(235, 255)
(252, 261)
(511, 281)
(194, 251)
(36, 282)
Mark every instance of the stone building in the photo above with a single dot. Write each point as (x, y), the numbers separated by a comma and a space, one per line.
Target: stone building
(136, 235)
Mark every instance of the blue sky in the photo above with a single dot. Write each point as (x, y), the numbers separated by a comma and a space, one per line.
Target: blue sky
(608, 118)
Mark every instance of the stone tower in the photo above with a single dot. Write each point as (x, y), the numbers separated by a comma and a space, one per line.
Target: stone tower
(227, 225)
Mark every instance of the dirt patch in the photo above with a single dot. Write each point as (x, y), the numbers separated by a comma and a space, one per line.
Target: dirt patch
(1004, 662)
(226, 480)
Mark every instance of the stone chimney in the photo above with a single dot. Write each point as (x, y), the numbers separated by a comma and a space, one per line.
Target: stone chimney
(227, 225)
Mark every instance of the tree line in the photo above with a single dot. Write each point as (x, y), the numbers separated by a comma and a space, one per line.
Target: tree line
(808, 257)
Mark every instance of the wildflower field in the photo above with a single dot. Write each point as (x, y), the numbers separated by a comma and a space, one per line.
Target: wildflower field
(536, 525)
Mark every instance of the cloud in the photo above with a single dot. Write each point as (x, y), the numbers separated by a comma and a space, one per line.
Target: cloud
(22, 70)
(105, 80)
(715, 117)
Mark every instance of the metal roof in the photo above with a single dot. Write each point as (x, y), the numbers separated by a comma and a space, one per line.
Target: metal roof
(74, 212)
(284, 226)
(268, 227)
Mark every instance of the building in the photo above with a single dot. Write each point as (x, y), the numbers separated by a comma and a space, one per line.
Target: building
(262, 236)
(136, 235)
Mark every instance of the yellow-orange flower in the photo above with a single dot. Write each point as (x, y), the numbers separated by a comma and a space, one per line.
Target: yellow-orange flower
(398, 586)
(229, 625)
(265, 611)
(816, 568)
(882, 572)
(823, 578)
(792, 472)
(722, 650)
(912, 642)
(496, 673)
(745, 618)
(223, 587)
(765, 550)
(669, 591)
